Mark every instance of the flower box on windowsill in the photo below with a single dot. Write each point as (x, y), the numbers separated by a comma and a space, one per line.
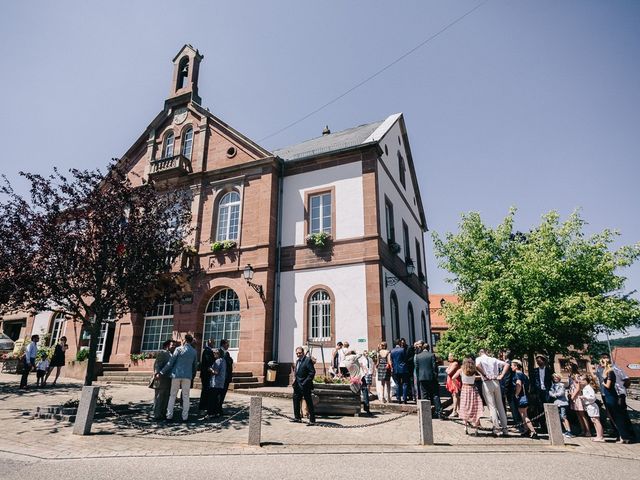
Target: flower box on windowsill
(319, 240)
(224, 246)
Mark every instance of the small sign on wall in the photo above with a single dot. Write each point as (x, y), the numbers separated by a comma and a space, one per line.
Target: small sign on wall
(634, 366)
(362, 340)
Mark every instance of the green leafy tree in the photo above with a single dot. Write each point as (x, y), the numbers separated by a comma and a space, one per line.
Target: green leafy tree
(92, 246)
(548, 290)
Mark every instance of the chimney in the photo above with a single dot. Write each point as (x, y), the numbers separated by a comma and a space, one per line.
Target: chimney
(326, 130)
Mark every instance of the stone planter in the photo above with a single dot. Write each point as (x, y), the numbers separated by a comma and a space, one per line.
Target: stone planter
(12, 366)
(336, 399)
(145, 365)
(78, 370)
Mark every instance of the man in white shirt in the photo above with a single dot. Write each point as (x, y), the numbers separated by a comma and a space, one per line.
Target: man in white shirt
(29, 360)
(492, 371)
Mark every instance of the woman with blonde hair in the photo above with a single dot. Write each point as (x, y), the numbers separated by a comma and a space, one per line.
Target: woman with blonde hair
(588, 397)
(575, 402)
(611, 400)
(470, 407)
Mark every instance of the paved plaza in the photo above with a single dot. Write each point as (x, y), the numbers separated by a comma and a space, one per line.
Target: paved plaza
(132, 434)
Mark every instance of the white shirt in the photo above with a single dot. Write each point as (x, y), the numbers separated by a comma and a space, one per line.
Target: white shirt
(541, 372)
(43, 365)
(492, 367)
(31, 351)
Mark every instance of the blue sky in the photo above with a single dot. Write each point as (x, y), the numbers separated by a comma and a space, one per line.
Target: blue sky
(532, 104)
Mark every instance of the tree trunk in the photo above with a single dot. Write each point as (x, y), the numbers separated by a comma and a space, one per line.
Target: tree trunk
(94, 330)
(531, 362)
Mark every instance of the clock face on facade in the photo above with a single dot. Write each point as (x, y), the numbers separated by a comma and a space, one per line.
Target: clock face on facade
(180, 116)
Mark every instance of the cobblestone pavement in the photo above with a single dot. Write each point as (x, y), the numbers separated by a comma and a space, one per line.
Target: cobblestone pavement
(113, 436)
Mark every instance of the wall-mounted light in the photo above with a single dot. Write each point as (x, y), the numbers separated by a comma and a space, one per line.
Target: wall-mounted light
(248, 276)
(390, 280)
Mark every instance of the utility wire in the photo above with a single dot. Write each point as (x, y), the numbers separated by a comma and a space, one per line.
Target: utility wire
(374, 75)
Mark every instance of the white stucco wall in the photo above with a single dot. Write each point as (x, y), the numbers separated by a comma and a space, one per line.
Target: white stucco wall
(349, 208)
(405, 295)
(348, 284)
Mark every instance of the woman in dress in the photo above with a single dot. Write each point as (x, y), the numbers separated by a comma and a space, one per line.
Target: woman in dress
(520, 388)
(611, 400)
(470, 407)
(588, 396)
(575, 402)
(57, 359)
(453, 386)
(384, 373)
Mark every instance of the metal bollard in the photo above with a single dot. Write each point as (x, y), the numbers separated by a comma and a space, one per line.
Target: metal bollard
(425, 422)
(554, 426)
(86, 410)
(255, 420)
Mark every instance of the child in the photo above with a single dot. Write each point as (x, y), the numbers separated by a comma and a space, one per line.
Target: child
(42, 367)
(559, 395)
(588, 397)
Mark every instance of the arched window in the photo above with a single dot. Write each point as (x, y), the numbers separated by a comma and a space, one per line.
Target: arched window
(167, 150)
(183, 72)
(395, 317)
(222, 318)
(228, 217)
(412, 324)
(402, 169)
(319, 316)
(158, 325)
(56, 328)
(187, 143)
(423, 321)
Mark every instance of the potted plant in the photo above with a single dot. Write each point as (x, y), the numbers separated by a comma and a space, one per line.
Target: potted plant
(394, 247)
(335, 396)
(318, 240)
(223, 246)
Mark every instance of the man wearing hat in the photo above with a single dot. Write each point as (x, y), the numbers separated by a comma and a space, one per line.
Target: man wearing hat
(542, 379)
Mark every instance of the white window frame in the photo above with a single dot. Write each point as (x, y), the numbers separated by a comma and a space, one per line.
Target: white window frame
(224, 229)
(322, 318)
(232, 335)
(187, 143)
(168, 145)
(59, 322)
(166, 323)
(324, 221)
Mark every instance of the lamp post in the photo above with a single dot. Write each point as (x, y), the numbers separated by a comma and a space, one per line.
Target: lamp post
(391, 280)
(247, 273)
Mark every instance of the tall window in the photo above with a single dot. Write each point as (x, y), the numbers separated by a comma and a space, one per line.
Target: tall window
(320, 213)
(405, 239)
(167, 150)
(395, 317)
(158, 325)
(419, 258)
(412, 324)
(56, 328)
(228, 217)
(388, 210)
(402, 170)
(222, 318)
(320, 316)
(423, 322)
(187, 143)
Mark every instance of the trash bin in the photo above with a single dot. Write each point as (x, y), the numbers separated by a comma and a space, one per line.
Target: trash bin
(272, 371)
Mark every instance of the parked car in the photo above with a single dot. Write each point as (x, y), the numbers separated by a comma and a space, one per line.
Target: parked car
(6, 344)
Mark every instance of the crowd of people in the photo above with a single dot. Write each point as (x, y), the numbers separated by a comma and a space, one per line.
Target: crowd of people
(42, 365)
(410, 372)
(175, 368)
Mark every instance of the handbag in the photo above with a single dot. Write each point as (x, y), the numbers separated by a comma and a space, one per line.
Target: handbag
(154, 382)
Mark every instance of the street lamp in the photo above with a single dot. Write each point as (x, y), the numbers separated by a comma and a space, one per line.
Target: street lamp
(391, 280)
(248, 276)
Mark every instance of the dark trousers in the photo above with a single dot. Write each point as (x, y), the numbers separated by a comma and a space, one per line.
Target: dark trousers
(429, 391)
(205, 392)
(402, 384)
(26, 370)
(223, 394)
(161, 398)
(214, 405)
(618, 415)
(298, 394)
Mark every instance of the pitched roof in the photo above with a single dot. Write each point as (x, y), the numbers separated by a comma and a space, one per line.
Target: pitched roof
(624, 357)
(351, 137)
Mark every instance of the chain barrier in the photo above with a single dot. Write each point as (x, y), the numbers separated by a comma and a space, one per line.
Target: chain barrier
(143, 426)
(336, 425)
(516, 426)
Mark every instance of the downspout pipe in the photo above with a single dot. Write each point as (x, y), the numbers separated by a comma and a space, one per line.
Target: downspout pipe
(276, 300)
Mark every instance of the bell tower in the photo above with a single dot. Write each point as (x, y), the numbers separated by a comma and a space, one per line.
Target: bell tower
(186, 66)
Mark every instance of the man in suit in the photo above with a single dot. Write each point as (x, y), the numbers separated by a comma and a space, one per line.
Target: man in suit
(162, 384)
(399, 370)
(304, 371)
(427, 375)
(542, 379)
(181, 368)
(224, 347)
(205, 374)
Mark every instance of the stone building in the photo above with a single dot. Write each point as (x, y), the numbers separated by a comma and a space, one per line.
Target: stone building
(257, 210)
